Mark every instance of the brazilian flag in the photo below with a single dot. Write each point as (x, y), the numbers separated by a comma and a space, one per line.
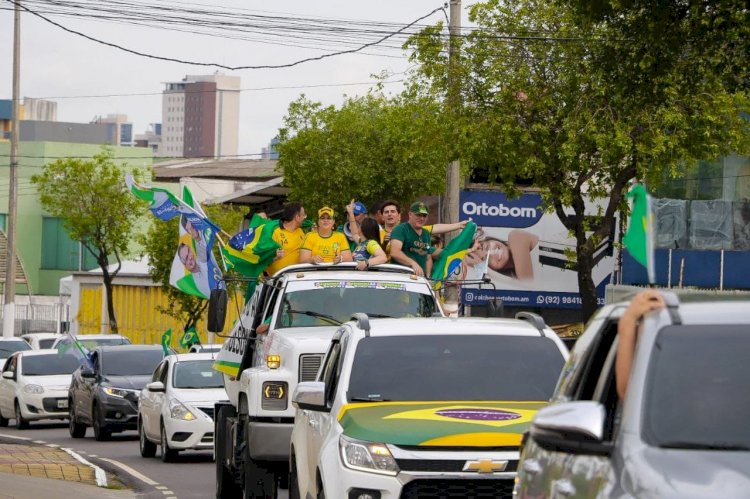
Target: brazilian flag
(449, 264)
(250, 251)
(189, 337)
(166, 341)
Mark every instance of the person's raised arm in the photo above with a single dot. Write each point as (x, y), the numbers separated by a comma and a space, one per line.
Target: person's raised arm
(627, 332)
(443, 228)
(354, 228)
(520, 244)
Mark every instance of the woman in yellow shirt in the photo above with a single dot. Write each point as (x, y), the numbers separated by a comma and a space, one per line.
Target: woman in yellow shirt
(325, 245)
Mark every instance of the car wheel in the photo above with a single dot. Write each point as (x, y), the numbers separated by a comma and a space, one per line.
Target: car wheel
(21, 423)
(167, 454)
(260, 480)
(101, 433)
(147, 447)
(3, 421)
(226, 483)
(76, 429)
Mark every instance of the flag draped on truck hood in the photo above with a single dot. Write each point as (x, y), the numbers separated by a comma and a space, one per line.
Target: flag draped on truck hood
(439, 424)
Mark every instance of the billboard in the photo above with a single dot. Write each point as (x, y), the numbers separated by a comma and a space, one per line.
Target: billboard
(526, 253)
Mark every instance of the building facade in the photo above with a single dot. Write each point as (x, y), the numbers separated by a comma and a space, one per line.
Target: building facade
(200, 117)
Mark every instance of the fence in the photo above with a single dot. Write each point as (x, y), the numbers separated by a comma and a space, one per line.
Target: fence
(40, 318)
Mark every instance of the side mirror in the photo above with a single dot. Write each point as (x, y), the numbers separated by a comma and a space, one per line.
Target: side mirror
(87, 372)
(155, 387)
(217, 310)
(310, 395)
(9, 375)
(572, 427)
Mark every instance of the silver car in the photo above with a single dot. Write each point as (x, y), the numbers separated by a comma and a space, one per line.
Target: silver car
(682, 430)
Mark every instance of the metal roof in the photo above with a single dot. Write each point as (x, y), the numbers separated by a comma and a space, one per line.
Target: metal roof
(226, 169)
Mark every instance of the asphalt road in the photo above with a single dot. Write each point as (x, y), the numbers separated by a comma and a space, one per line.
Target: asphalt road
(192, 475)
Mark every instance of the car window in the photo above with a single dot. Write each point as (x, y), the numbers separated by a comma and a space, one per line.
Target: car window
(336, 302)
(48, 365)
(157, 372)
(46, 343)
(92, 343)
(696, 390)
(455, 367)
(131, 362)
(9, 347)
(196, 374)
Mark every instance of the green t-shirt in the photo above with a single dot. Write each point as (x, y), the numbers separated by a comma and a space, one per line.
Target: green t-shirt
(415, 246)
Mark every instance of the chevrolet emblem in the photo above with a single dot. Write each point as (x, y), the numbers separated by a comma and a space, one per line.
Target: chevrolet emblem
(485, 466)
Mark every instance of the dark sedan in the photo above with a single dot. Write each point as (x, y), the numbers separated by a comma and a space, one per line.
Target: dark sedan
(105, 393)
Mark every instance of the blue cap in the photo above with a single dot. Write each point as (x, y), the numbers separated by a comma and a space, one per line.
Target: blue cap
(359, 208)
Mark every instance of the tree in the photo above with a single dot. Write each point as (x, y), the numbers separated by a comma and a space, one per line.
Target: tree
(540, 109)
(371, 148)
(90, 198)
(160, 245)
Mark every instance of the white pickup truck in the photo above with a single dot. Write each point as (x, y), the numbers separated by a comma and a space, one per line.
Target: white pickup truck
(278, 341)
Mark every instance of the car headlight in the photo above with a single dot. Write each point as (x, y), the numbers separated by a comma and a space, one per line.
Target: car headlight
(367, 456)
(178, 410)
(116, 392)
(33, 389)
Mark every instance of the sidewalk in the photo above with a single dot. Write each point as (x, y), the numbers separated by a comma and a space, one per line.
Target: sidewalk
(33, 465)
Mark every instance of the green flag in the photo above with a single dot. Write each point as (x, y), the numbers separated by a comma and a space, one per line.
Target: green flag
(449, 264)
(189, 337)
(166, 341)
(639, 239)
(250, 251)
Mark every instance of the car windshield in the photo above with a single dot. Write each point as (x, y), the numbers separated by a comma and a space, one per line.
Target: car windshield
(48, 365)
(8, 347)
(131, 362)
(325, 306)
(696, 393)
(45, 344)
(456, 367)
(196, 374)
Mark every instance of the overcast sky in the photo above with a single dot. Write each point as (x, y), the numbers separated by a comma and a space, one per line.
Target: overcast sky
(69, 69)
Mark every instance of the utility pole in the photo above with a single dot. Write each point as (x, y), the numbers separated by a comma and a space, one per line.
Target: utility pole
(9, 311)
(453, 180)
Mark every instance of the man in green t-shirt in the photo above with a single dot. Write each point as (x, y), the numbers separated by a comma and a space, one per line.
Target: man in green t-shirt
(410, 241)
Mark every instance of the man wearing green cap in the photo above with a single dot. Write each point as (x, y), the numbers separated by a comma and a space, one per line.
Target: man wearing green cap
(410, 241)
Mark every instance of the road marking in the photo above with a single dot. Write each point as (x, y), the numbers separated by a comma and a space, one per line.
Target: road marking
(93, 455)
(39, 442)
(52, 445)
(167, 492)
(161, 487)
(101, 477)
(4, 435)
(131, 471)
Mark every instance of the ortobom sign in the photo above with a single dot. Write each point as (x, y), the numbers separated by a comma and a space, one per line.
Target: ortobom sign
(527, 253)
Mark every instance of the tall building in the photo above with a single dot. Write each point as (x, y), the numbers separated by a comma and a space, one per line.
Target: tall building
(270, 152)
(30, 110)
(200, 116)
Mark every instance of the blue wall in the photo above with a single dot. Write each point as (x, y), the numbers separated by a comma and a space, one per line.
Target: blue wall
(701, 269)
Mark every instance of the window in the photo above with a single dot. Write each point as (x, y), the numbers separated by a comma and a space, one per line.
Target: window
(60, 252)
(4, 222)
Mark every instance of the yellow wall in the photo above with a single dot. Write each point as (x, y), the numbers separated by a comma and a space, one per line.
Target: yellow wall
(138, 317)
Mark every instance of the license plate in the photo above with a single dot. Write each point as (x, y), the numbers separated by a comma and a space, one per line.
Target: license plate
(62, 404)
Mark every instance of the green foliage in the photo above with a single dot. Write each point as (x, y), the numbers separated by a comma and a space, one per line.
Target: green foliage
(160, 245)
(546, 101)
(371, 148)
(90, 198)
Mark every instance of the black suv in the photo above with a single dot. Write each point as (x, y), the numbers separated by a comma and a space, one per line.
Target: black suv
(105, 393)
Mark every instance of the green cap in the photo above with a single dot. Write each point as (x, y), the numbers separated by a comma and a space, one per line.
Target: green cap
(419, 208)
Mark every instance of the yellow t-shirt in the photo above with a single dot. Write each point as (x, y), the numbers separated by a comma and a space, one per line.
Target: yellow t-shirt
(326, 247)
(291, 242)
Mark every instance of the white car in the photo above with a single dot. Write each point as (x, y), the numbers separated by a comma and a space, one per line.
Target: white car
(34, 385)
(422, 407)
(177, 407)
(8, 346)
(40, 341)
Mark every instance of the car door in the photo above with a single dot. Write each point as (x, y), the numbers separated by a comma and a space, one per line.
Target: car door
(87, 388)
(541, 472)
(319, 422)
(147, 405)
(161, 399)
(8, 388)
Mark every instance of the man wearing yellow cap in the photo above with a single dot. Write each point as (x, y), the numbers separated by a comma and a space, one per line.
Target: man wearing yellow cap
(325, 245)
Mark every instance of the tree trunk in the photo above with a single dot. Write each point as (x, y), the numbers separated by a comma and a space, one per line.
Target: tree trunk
(107, 278)
(586, 286)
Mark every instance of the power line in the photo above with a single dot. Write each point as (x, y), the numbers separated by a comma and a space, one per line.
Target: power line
(223, 66)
